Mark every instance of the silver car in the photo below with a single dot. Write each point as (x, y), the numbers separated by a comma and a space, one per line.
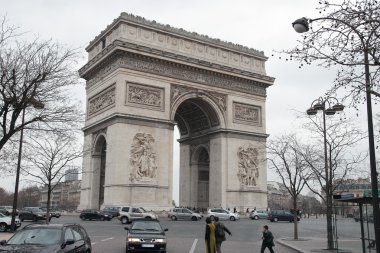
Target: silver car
(222, 214)
(258, 214)
(184, 214)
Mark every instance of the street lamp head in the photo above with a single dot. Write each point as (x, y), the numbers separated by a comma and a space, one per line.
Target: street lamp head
(36, 104)
(301, 25)
(319, 106)
(338, 107)
(330, 111)
(311, 111)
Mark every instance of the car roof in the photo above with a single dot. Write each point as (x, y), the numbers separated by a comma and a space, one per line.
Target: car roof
(50, 226)
(146, 220)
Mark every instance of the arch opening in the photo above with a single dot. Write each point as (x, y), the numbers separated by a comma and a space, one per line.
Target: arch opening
(100, 157)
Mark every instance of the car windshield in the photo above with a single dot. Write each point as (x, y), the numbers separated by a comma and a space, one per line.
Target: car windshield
(36, 210)
(143, 210)
(2, 215)
(36, 236)
(146, 226)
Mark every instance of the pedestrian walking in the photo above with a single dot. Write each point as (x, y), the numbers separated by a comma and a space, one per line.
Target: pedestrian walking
(220, 234)
(267, 240)
(210, 236)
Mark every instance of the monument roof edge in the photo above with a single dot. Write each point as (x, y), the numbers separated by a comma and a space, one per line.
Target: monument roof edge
(178, 31)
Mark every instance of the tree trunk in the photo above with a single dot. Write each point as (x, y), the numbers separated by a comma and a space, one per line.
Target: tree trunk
(295, 207)
(48, 204)
(330, 232)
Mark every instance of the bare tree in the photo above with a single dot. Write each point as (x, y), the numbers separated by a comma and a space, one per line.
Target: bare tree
(342, 137)
(35, 79)
(347, 36)
(47, 159)
(286, 160)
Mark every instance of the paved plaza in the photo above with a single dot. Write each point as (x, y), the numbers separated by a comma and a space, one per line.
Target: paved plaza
(188, 236)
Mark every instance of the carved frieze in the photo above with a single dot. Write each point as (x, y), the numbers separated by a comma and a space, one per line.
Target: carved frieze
(178, 71)
(143, 159)
(248, 165)
(246, 114)
(178, 90)
(101, 101)
(145, 96)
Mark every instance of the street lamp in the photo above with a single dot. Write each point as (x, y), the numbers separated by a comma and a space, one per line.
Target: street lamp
(38, 105)
(302, 25)
(328, 108)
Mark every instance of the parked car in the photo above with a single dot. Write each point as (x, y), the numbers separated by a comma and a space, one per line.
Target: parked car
(114, 210)
(53, 213)
(5, 222)
(258, 214)
(52, 238)
(7, 210)
(146, 235)
(281, 215)
(129, 213)
(183, 214)
(93, 214)
(32, 213)
(222, 214)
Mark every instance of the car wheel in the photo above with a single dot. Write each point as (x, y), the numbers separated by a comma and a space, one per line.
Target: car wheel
(275, 219)
(102, 218)
(21, 218)
(256, 217)
(232, 218)
(124, 220)
(194, 218)
(173, 217)
(148, 218)
(3, 227)
(82, 217)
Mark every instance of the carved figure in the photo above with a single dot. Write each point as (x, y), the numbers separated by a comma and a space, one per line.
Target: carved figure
(248, 169)
(143, 158)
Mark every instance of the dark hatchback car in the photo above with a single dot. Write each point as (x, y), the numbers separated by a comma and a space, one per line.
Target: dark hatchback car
(32, 213)
(281, 215)
(53, 238)
(93, 214)
(146, 235)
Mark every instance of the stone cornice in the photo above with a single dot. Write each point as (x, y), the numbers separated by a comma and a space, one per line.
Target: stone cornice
(130, 18)
(178, 57)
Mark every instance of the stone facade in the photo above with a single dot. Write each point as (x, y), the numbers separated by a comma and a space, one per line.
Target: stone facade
(142, 79)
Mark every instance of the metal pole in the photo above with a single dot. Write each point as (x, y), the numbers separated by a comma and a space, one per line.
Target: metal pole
(361, 226)
(15, 196)
(372, 156)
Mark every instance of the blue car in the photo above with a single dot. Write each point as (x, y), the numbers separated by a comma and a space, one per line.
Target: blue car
(281, 215)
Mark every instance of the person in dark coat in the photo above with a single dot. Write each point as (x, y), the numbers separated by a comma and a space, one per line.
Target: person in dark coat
(267, 240)
(222, 236)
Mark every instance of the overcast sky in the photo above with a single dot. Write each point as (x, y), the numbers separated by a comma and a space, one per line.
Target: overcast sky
(263, 25)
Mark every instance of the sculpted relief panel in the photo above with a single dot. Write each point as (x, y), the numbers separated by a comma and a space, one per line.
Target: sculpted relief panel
(101, 101)
(145, 96)
(143, 159)
(247, 114)
(248, 165)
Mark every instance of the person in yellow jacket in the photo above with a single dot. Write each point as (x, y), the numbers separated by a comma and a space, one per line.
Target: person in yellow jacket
(210, 236)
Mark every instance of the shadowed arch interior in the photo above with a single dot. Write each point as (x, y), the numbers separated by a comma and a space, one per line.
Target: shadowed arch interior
(195, 115)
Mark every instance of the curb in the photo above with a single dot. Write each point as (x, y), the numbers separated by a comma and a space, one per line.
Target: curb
(281, 242)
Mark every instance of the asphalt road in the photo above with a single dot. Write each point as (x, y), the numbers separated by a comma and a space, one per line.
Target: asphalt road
(188, 236)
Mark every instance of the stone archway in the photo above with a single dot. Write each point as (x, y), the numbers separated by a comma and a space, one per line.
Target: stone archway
(143, 78)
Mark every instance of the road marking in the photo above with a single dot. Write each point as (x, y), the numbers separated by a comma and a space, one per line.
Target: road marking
(93, 243)
(107, 239)
(193, 246)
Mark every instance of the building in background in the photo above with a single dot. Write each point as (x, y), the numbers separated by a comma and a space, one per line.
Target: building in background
(71, 175)
(65, 195)
(278, 196)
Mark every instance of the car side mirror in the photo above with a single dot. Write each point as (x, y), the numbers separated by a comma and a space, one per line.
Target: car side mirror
(3, 242)
(126, 228)
(69, 242)
(166, 229)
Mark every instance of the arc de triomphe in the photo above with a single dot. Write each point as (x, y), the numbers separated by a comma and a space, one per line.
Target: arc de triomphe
(143, 78)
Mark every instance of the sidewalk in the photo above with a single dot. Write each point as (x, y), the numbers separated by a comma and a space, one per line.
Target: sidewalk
(308, 245)
(5, 235)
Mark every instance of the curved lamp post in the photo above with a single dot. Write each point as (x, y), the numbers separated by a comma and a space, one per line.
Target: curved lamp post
(301, 25)
(328, 108)
(38, 105)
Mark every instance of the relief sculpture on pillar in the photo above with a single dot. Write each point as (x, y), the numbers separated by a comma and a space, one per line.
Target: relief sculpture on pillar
(248, 167)
(143, 158)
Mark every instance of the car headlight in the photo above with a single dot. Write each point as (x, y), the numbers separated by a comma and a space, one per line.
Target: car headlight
(160, 240)
(40, 215)
(134, 240)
